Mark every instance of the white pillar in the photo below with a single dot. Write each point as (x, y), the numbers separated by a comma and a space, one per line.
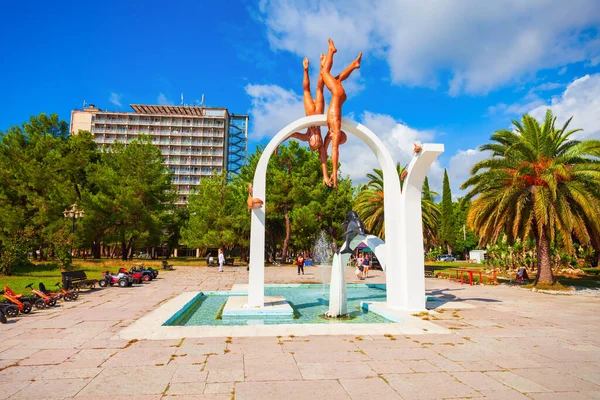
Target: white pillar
(412, 260)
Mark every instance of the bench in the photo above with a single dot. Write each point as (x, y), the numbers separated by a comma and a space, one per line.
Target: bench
(77, 279)
(229, 261)
(166, 265)
(429, 270)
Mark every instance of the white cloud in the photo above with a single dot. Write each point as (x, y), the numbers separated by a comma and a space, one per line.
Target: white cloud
(272, 108)
(357, 159)
(593, 62)
(115, 98)
(459, 168)
(163, 100)
(580, 100)
(481, 48)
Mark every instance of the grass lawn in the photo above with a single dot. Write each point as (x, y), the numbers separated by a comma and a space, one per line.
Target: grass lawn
(49, 273)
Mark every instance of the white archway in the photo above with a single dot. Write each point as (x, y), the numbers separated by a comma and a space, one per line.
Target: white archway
(405, 289)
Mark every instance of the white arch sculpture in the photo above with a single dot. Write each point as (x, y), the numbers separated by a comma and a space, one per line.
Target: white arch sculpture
(405, 279)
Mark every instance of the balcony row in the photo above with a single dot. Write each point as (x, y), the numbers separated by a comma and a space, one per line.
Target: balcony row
(198, 143)
(162, 132)
(149, 122)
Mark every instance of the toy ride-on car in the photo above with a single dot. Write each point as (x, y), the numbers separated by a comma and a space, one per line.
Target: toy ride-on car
(31, 299)
(148, 274)
(8, 310)
(122, 279)
(22, 306)
(49, 300)
(136, 276)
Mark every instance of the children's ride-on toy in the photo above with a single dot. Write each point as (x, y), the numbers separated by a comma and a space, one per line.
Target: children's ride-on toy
(66, 295)
(32, 299)
(49, 300)
(147, 273)
(122, 279)
(140, 267)
(2, 317)
(136, 277)
(22, 306)
(9, 310)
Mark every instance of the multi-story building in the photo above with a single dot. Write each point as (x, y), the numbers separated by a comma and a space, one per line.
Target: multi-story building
(195, 141)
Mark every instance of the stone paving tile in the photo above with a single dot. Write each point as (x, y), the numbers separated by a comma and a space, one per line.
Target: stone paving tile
(225, 362)
(367, 389)
(7, 389)
(19, 373)
(479, 381)
(559, 396)
(17, 353)
(391, 367)
(187, 373)
(336, 370)
(225, 375)
(57, 389)
(48, 357)
(180, 388)
(210, 396)
(271, 367)
(122, 381)
(556, 381)
(304, 356)
(219, 388)
(291, 390)
(517, 382)
(60, 372)
(431, 385)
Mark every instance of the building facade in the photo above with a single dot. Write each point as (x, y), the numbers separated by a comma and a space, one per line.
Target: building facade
(195, 141)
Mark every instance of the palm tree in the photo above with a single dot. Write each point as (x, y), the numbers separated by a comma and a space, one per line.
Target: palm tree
(537, 184)
(369, 205)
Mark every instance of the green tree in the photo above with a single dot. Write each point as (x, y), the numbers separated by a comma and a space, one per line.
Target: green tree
(538, 184)
(465, 238)
(131, 195)
(447, 233)
(36, 185)
(369, 206)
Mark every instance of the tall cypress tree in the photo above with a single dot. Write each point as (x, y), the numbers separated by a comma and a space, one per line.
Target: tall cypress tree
(447, 225)
(426, 191)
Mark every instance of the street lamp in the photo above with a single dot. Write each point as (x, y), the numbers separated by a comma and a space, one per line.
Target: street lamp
(73, 213)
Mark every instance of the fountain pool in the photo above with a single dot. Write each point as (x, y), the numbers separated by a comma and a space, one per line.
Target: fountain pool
(307, 300)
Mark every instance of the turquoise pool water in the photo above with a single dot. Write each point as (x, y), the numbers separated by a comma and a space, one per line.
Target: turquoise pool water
(308, 301)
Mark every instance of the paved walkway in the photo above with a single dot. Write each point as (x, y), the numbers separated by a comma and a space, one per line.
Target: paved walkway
(514, 344)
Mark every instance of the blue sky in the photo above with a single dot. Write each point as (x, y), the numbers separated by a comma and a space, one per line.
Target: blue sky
(437, 71)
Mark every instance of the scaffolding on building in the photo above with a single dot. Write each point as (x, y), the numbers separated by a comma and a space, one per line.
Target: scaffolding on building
(238, 144)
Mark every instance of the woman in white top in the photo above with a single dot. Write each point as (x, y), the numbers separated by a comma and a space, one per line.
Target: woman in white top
(221, 260)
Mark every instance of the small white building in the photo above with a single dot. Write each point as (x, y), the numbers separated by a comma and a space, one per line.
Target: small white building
(477, 256)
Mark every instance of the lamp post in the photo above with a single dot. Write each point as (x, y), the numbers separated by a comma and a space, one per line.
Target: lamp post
(73, 213)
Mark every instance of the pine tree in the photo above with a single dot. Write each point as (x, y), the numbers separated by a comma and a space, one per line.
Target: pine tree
(447, 225)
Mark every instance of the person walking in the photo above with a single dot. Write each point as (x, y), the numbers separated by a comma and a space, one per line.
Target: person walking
(300, 264)
(221, 260)
(359, 265)
(366, 265)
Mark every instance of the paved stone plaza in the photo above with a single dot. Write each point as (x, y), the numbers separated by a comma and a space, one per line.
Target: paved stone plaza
(514, 344)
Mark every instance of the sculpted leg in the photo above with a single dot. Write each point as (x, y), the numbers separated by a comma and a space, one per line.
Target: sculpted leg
(323, 158)
(336, 137)
(346, 73)
(309, 105)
